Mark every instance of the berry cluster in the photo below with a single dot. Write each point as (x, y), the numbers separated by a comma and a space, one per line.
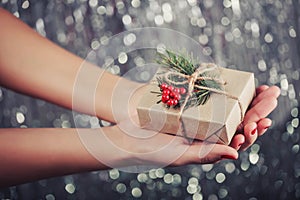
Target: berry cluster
(171, 95)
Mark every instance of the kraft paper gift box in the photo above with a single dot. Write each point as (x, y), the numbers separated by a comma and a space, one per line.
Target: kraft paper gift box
(215, 121)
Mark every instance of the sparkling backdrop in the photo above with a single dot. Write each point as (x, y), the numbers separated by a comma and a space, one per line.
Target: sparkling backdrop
(258, 36)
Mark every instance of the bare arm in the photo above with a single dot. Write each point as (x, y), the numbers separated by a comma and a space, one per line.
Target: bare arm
(31, 64)
(31, 154)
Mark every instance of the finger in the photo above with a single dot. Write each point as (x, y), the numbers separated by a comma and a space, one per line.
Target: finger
(237, 141)
(261, 89)
(261, 110)
(250, 133)
(263, 125)
(204, 153)
(273, 91)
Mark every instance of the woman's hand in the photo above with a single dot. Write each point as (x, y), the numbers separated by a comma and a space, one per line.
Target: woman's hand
(150, 147)
(255, 122)
(146, 147)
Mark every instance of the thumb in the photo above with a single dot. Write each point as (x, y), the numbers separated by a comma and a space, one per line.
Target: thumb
(205, 153)
(217, 152)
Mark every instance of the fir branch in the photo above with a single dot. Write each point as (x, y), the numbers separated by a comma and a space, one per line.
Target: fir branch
(185, 65)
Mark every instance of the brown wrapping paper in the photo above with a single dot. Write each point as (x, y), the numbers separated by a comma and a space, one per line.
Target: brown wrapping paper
(215, 121)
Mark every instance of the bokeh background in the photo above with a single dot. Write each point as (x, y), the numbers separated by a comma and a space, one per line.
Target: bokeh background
(258, 36)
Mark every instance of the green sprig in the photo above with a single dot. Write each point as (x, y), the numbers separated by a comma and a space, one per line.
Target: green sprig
(185, 65)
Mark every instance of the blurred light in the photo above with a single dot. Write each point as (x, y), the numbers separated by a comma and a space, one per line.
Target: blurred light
(236, 33)
(168, 178)
(229, 167)
(40, 27)
(101, 10)
(203, 39)
(227, 3)
(25, 4)
(126, 19)
(222, 193)
(95, 44)
(160, 173)
(136, 192)
(193, 181)
(122, 58)
(192, 2)
(201, 22)
(225, 21)
(292, 32)
(159, 20)
(255, 148)
(191, 189)
(70, 188)
(197, 196)
(294, 112)
(253, 158)
(114, 174)
(121, 188)
(135, 3)
(212, 197)
(245, 165)
(295, 123)
(50, 197)
(262, 65)
(268, 38)
(295, 148)
(142, 177)
(220, 177)
(284, 83)
(166, 7)
(207, 167)
(129, 39)
(176, 179)
(236, 7)
(168, 17)
(20, 117)
(93, 3)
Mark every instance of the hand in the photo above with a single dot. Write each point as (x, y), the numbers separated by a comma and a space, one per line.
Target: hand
(145, 147)
(255, 122)
(127, 144)
(149, 147)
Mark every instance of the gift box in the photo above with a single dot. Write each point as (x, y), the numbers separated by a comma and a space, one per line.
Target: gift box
(214, 121)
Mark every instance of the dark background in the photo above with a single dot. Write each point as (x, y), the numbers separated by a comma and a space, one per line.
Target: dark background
(258, 36)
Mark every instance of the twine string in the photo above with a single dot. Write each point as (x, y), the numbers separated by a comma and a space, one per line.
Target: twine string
(191, 79)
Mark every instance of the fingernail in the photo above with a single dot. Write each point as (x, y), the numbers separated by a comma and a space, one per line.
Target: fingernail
(253, 131)
(266, 128)
(240, 145)
(228, 157)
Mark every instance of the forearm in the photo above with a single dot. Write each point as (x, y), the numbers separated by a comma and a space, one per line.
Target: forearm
(31, 64)
(33, 154)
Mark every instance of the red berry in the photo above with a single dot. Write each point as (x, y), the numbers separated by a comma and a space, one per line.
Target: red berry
(177, 96)
(176, 90)
(172, 94)
(170, 87)
(163, 86)
(175, 102)
(170, 102)
(165, 98)
(166, 91)
(182, 90)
